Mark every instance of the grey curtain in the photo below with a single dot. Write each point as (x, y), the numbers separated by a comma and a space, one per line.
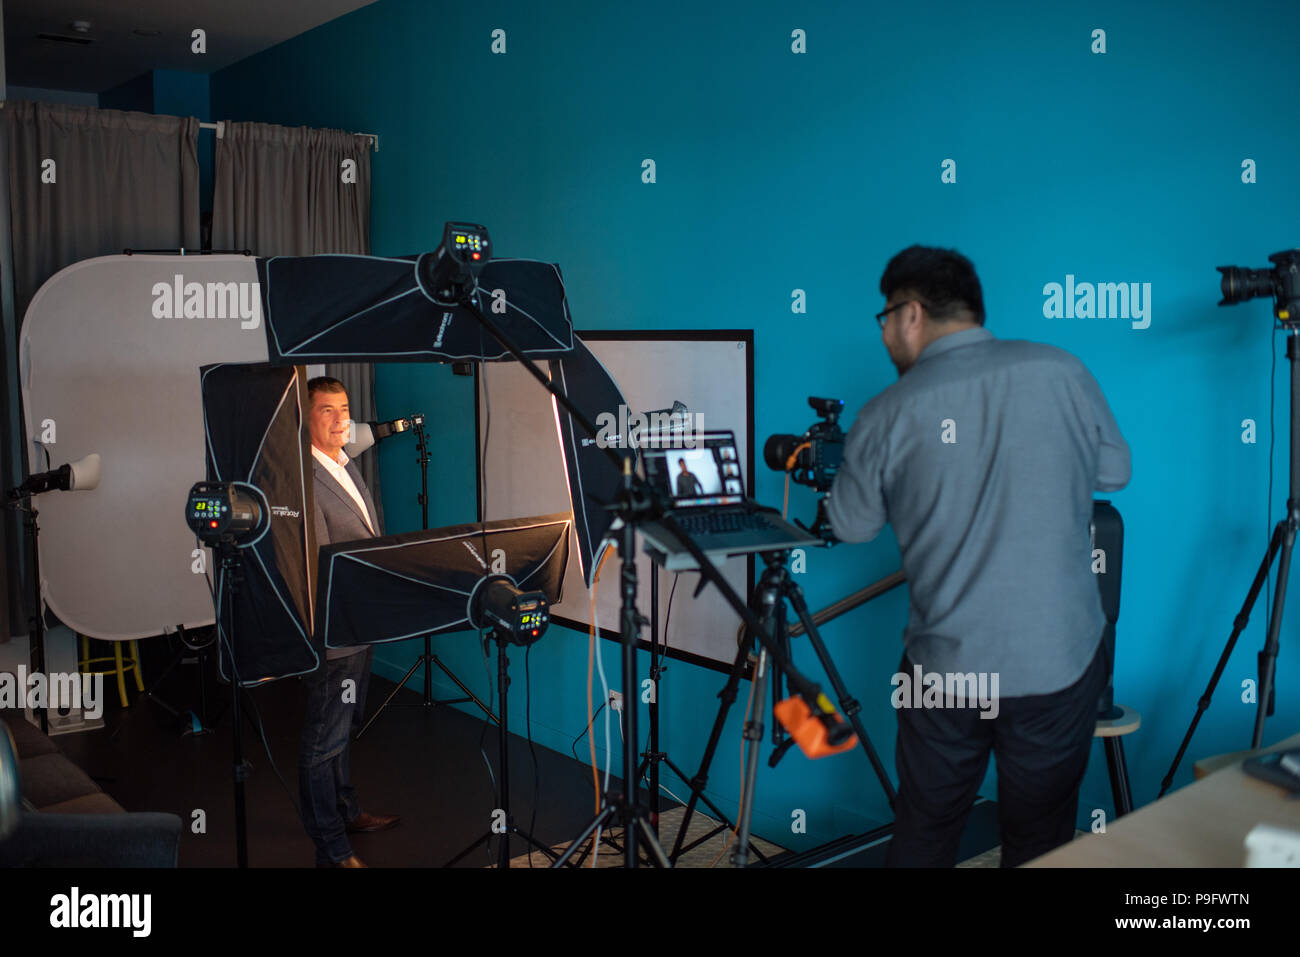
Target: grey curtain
(119, 180)
(82, 183)
(294, 191)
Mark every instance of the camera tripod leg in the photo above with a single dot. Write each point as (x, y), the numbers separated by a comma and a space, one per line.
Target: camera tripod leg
(754, 735)
(1238, 626)
(1267, 659)
(848, 704)
(728, 697)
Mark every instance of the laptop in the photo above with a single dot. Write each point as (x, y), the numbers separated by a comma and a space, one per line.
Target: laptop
(707, 491)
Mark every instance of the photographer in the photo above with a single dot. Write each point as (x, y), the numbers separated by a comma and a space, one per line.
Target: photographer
(984, 456)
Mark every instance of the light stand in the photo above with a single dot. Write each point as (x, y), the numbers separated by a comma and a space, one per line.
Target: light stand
(36, 619)
(449, 277)
(428, 658)
(82, 476)
(503, 749)
(224, 518)
(232, 573)
(654, 757)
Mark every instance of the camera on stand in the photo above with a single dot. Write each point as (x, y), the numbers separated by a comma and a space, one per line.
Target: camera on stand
(1282, 282)
(812, 459)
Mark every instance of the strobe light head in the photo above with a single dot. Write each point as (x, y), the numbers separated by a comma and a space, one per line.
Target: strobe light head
(79, 476)
(1282, 282)
(449, 274)
(520, 617)
(226, 513)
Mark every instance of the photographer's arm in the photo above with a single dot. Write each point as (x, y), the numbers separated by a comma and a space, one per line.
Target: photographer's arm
(855, 505)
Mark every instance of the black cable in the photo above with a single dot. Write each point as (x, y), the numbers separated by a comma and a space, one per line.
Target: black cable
(482, 490)
(668, 617)
(487, 432)
(573, 748)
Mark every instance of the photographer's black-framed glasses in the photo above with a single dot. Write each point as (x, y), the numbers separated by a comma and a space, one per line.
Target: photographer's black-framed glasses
(883, 315)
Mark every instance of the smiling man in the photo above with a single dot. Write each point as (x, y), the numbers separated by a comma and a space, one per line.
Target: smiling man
(984, 456)
(344, 512)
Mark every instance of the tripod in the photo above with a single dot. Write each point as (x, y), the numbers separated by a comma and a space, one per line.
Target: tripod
(653, 757)
(428, 658)
(1280, 546)
(775, 589)
(624, 807)
(501, 816)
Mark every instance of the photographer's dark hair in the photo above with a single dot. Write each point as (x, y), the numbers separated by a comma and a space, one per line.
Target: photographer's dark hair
(323, 383)
(944, 278)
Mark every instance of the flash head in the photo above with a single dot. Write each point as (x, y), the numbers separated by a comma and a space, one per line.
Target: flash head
(449, 274)
(496, 604)
(829, 409)
(227, 513)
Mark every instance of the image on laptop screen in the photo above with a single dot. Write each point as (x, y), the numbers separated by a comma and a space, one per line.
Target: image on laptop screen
(708, 474)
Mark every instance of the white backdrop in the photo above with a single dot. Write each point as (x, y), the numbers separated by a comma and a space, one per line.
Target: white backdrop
(102, 372)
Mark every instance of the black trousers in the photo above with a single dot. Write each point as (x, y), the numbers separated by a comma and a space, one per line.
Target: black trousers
(1041, 742)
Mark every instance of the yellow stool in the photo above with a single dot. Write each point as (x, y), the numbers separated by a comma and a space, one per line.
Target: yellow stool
(121, 665)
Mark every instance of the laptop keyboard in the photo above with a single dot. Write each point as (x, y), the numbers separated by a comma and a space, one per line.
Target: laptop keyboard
(718, 523)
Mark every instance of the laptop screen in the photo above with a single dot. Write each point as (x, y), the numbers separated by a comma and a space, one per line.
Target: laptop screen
(708, 473)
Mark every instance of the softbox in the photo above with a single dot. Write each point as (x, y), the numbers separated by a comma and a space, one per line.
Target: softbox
(336, 308)
(419, 583)
(592, 475)
(255, 432)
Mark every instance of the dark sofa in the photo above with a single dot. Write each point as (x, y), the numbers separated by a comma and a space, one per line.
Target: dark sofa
(68, 820)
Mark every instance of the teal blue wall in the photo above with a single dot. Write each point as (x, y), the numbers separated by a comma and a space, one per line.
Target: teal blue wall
(1122, 166)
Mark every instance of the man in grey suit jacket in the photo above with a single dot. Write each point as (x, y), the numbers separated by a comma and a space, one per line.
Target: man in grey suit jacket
(336, 691)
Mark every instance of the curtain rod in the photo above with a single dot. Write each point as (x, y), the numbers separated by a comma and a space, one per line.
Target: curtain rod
(220, 127)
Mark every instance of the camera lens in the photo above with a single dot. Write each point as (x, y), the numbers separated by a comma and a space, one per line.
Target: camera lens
(778, 449)
(1240, 284)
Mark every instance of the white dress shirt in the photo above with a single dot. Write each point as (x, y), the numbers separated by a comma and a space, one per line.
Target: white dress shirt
(340, 473)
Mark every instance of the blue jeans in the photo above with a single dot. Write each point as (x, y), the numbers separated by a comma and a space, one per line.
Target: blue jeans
(328, 799)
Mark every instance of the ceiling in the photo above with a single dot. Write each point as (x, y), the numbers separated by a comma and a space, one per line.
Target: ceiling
(117, 52)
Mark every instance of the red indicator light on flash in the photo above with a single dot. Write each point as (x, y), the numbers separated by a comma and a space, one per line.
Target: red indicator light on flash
(213, 524)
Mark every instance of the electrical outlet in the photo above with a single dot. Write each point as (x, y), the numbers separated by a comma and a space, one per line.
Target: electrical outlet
(616, 700)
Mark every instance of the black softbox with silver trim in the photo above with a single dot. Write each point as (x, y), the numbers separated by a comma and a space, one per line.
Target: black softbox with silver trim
(338, 308)
(593, 476)
(255, 432)
(420, 583)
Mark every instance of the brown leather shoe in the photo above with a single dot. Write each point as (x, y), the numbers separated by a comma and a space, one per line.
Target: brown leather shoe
(351, 861)
(364, 823)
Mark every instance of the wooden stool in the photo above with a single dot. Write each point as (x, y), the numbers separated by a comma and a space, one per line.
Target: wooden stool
(121, 665)
(1112, 731)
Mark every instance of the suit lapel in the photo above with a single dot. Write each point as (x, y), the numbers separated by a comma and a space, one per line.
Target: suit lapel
(333, 485)
(355, 473)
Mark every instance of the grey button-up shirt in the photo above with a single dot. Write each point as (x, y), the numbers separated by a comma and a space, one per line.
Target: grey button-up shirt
(984, 457)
